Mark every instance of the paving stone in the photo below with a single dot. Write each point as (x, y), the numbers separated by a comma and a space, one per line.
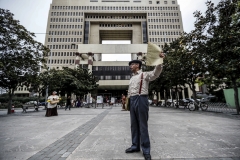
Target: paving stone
(56, 157)
(62, 151)
(66, 154)
(87, 133)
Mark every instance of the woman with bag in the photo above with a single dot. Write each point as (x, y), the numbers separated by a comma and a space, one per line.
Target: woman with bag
(52, 105)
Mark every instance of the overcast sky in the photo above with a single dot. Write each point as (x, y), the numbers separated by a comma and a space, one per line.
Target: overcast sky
(33, 14)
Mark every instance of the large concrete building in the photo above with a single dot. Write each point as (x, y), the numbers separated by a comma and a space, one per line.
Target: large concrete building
(77, 28)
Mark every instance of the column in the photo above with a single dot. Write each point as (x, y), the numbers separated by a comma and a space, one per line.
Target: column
(77, 59)
(139, 55)
(90, 61)
(159, 96)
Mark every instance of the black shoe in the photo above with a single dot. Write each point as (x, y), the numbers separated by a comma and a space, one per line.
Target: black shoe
(147, 156)
(130, 150)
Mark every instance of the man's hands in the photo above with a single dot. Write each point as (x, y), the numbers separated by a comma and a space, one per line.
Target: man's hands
(161, 55)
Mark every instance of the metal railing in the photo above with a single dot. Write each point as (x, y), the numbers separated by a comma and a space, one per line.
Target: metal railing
(212, 107)
(220, 107)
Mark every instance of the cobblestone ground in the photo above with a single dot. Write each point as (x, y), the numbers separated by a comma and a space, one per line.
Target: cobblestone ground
(104, 133)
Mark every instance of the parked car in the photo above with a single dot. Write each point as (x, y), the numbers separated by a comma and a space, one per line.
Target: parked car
(210, 98)
(200, 95)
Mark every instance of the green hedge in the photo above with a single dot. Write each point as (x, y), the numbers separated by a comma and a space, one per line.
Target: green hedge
(17, 101)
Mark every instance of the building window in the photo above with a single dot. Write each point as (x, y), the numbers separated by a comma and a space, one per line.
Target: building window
(173, 2)
(158, 2)
(150, 2)
(165, 2)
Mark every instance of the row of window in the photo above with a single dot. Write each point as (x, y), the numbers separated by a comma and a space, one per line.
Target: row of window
(66, 20)
(107, 17)
(61, 61)
(164, 33)
(110, 68)
(115, 25)
(61, 54)
(163, 14)
(112, 8)
(66, 13)
(66, 26)
(158, 2)
(164, 20)
(63, 46)
(130, 17)
(115, 77)
(65, 32)
(115, 17)
(164, 26)
(162, 40)
(64, 39)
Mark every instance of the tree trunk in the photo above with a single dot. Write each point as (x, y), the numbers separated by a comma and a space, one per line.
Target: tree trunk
(165, 98)
(10, 95)
(194, 95)
(177, 98)
(236, 96)
(38, 99)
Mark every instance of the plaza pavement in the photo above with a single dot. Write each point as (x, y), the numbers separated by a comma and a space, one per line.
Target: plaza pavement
(104, 133)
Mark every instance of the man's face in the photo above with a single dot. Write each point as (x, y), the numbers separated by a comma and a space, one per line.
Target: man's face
(134, 67)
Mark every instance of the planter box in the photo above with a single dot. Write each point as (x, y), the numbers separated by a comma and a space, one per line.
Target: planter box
(229, 96)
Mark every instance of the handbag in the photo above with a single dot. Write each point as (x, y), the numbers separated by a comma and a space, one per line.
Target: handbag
(128, 99)
(54, 102)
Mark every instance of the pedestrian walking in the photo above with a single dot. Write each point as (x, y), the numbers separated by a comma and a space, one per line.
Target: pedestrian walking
(78, 102)
(139, 107)
(52, 105)
(68, 104)
(123, 102)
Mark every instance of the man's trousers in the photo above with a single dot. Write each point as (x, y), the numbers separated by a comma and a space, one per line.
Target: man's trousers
(139, 108)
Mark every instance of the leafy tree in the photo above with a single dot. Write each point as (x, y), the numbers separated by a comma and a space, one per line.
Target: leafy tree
(221, 26)
(174, 66)
(39, 83)
(20, 54)
(83, 81)
(185, 61)
(78, 81)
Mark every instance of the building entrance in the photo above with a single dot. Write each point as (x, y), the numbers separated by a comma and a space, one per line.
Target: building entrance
(112, 93)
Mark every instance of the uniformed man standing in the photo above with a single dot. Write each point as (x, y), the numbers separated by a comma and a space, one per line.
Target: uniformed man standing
(139, 107)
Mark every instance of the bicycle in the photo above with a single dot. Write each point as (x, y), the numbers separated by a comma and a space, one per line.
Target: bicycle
(192, 105)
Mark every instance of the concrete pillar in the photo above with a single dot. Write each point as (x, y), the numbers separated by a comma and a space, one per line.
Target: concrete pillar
(155, 97)
(171, 94)
(159, 96)
(139, 55)
(90, 61)
(77, 60)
